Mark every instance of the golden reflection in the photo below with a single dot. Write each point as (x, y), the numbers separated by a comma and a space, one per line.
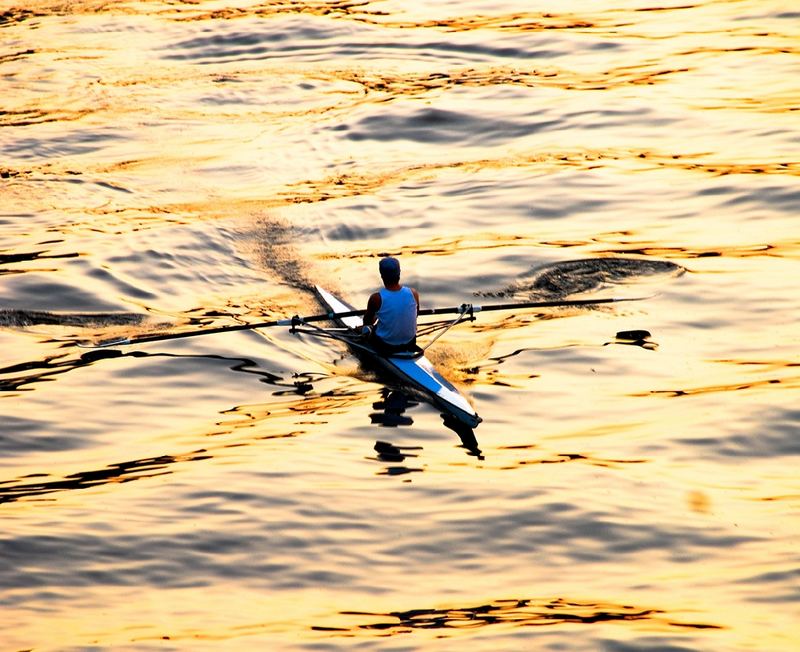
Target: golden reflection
(354, 9)
(380, 14)
(43, 8)
(121, 219)
(560, 458)
(620, 243)
(363, 11)
(779, 249)
(778, 103)
(721, 169)
(509, 612)
(415, 84)
(356, 184)
(120, 472)
(457, 361)
(28, 117)
(791, 382)
(699, 502)
(235, 431)
(517, 22)
(327, 404)
(779, 498)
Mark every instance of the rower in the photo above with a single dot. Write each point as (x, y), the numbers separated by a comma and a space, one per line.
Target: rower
(390, 321)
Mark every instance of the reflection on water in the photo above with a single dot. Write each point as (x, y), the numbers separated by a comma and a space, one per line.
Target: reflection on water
(515, 613)
(392, 409)
(177, 166)
(394, 456)
(120, 472)
(392, 414)
(562, 458)
(20, 376)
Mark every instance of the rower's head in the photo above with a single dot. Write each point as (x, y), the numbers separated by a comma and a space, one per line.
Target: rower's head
(390, 270)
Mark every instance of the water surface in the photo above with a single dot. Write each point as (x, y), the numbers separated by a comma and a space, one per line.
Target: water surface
(171, 166)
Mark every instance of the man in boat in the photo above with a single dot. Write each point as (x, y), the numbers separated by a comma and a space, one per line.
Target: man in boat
(390, 322)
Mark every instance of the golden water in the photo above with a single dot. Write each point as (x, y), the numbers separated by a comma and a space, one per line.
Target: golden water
(181, 164)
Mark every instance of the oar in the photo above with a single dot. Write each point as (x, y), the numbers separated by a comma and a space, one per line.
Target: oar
(219, 329)
(522, 306)
(464, 308)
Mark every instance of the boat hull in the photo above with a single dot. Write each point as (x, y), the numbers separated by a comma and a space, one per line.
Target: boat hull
(416, 373)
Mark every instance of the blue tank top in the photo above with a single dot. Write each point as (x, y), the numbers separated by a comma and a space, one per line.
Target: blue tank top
(397, 316)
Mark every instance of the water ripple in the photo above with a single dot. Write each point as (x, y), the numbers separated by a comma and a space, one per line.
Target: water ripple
(773, 435)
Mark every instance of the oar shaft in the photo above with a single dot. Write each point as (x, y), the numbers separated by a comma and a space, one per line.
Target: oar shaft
(205, 331)
(561, 303)
(552, 304)
(466, 308)
(226, 329)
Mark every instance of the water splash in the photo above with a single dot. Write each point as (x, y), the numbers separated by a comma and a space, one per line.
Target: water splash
(565, 278)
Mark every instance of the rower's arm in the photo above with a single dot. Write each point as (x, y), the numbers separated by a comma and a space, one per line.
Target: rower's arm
(373, 306)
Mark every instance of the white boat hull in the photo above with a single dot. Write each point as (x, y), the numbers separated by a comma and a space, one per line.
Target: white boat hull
(416, 372)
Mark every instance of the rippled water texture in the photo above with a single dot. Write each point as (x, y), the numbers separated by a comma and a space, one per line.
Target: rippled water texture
(175, 165)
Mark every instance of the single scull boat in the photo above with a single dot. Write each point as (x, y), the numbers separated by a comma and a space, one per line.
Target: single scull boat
(413, 370)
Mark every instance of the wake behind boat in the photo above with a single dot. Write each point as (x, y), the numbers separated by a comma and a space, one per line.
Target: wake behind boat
(412, 369)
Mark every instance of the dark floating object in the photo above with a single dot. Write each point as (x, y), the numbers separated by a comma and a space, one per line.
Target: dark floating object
(635, 338)
(633, 335)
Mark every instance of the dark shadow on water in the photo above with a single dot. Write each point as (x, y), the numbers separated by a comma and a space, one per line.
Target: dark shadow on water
(465, 434)
(38, 484)
(302, 384)
(513, 612)
(28, 256)
(21, 375)
(396, 455)
(391, 413)
(392, 408)
(565, 278)
(388, 452)
(641, 338)
(113, 474)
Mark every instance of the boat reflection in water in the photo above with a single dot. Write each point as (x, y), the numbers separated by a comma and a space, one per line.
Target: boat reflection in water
(390, 412)
(392, 408)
